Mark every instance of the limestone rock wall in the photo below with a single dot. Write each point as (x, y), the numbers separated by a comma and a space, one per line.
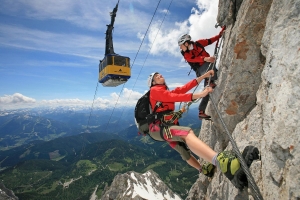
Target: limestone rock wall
(258, 96)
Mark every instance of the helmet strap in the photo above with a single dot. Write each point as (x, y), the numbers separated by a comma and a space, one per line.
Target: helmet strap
(190, 47)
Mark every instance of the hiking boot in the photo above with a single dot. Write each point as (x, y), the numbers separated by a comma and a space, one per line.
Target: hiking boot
(228, 163)
(231, 167)
(207, 169)
(250, 154)
(202, 115)
(212, 84)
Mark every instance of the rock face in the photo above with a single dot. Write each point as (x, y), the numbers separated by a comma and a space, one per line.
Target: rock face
(135, 186)
(258, 96)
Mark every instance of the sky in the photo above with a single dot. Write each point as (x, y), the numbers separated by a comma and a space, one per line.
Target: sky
(50, 50)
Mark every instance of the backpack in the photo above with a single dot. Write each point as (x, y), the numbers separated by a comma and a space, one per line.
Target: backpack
(143, 113)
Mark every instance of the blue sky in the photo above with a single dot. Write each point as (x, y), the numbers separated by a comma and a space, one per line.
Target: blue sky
(50, 50)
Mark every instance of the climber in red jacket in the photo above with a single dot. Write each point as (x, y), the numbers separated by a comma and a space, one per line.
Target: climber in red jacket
(182, 139)
(200, 61)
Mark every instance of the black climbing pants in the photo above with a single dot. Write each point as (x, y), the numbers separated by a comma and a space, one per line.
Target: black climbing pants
(200, 71)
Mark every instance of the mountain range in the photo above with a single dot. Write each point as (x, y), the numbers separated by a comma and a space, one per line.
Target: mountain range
(71, 165)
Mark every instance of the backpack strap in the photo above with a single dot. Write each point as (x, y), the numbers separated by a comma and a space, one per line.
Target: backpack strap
(153, 116)
(201, 46)
(157, 105)
(194, 66)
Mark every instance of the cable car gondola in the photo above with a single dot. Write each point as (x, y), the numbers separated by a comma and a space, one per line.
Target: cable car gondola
(114, 69)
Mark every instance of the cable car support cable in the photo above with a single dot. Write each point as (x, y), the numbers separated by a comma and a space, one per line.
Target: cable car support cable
(148, 51)
(133, 65)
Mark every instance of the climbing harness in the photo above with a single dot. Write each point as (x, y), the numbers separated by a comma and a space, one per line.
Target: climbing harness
(168, 120)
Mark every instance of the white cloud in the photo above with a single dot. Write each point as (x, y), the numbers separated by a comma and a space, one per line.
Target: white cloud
(174, 85)
(16, 98)
(166, 41)
(92, 14)
(165, 11)
(131, 23)
(140, 36)
(200, 24)
(81, 13)
(130, 94)
(128, 98)
(63, 102)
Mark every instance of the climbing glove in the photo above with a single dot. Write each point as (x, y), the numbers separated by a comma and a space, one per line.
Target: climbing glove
(207, 169)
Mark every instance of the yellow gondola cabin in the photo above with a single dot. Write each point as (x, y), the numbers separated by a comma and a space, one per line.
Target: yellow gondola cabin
(114, 69)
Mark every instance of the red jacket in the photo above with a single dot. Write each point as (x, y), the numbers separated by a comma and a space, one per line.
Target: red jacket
(160, 93)
(197, 54)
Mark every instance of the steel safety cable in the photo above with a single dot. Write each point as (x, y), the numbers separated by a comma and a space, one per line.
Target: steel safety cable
(245, 168)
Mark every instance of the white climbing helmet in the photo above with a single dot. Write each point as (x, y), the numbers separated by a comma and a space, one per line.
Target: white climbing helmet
(182, 39)
(150, 79)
